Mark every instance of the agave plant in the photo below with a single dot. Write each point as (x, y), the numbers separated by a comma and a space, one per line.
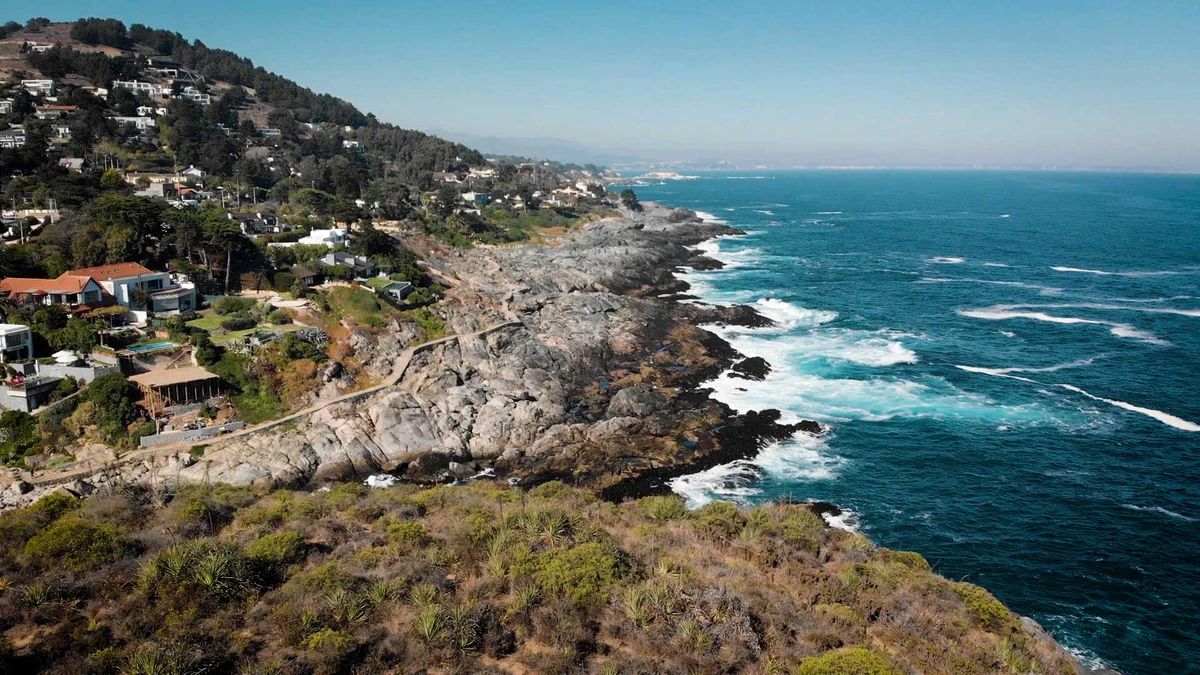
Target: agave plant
(38, 593)
(636, 605)
(346, 607)
(464, 628)
(430, 624)
(382, 592)
(423, 596)
(155, 660)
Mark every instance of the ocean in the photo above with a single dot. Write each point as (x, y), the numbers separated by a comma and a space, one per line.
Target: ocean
(1007, 363)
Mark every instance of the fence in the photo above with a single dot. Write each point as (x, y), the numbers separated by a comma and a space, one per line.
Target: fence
(190, 436)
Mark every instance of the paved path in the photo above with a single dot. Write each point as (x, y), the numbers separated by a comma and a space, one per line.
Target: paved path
(75, 472)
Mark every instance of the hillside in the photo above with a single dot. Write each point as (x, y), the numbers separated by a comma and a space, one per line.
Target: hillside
(480, 579)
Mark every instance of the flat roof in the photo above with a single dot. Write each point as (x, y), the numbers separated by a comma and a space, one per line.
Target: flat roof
(162, 378)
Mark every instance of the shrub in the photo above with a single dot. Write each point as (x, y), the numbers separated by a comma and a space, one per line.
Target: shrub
(582, 574)
(55, 504)
(280, 548)
(19, 431)
(854, 661)
(408, 536)
(239, 323)
(720, 520)
(278, 317)
(77, 544)
(909, 559)
(231, 305)
(667, 507)
(552, 489)
(989, 612)
(333, 642)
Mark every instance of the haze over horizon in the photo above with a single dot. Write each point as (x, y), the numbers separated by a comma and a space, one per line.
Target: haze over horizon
(1063, 84)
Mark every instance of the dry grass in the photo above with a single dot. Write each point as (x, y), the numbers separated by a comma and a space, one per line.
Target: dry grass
(486, 578)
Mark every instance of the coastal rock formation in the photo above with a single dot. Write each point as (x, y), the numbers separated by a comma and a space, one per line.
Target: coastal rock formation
(588, 378)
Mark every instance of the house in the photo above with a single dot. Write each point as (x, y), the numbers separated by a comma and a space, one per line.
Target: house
(482, 173)
(53, 112)
(260, 224)
(331, 237)
(360, 266)
(305, 276)
(150, 111)
(6, 106)
(139, 123)
(477, 198)
(447, 177)
(152, 191)
(193, 173)
(40, 47)
(16, 342)
(148, 88)
(60, 132)
(75, 291)
(125, 281)
(13, 138)
(40, 87)
(28, 393)
(268, 133)
(72, 164)
(350, 145)
(398, 290)
(190, 93)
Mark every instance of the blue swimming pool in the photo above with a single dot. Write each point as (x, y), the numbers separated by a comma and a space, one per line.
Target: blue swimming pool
(152, 346)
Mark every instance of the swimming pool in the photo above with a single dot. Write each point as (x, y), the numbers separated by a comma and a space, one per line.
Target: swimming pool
(152, 346)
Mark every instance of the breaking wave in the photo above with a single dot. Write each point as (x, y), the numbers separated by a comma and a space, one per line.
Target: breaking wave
(1166, 418)
(1001, 313)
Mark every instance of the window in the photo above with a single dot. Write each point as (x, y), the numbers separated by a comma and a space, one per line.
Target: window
(155, 284)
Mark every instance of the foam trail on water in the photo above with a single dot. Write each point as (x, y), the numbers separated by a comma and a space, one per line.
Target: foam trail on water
(946, 260)
(1000, 313)
(1166, 418)
(1107, 307)
(1159, 509)
(1104, 273)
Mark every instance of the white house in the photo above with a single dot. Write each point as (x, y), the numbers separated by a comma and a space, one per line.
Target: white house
(6, 106)
(148, 88)
(123, 281)
(193, 173)
(16, 342)
(12, 138)
(331, 237)
(140, 123)
(40, 87)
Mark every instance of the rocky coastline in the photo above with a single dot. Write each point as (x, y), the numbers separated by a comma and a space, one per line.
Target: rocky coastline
(575, 362)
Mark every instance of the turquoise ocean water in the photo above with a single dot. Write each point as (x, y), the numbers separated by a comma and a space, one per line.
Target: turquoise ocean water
(1009, 364)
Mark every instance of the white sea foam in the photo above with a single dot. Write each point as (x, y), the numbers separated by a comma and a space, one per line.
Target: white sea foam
(1006, 215)
(829, 213)
(846, 520)
(765, 212)
(1000, 313)
(1044, 290)
(1166, 418)
(993, 264)
(1104, 273)
(1159, 509)
(946, 260)
(803, 458)
(792, 316)
(709, 218)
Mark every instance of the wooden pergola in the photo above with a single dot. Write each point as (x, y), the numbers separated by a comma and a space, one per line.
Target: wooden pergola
(179, 385)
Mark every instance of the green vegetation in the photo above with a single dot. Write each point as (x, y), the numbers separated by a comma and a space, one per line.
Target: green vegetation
(478, 578)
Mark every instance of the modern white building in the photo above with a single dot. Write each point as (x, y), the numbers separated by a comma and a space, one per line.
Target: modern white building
(16, 342)
(331, 237)
(40, 87)
(140, 123)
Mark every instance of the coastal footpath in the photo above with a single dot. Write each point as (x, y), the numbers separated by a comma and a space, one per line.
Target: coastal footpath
(575, 364)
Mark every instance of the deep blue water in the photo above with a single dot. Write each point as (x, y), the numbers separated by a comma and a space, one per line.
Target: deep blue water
(1008, 363)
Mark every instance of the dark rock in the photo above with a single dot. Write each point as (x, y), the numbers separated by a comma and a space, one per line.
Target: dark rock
(754, 368)
(427, 468)
(636, 401)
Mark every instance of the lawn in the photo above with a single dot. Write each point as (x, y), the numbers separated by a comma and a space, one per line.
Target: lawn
(208, 320)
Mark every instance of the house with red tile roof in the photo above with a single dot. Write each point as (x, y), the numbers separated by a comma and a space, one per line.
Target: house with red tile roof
(73, 290)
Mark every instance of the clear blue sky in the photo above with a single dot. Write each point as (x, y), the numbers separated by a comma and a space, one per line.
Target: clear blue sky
(904, 82)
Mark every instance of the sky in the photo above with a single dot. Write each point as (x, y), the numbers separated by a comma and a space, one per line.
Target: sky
(1069, 83)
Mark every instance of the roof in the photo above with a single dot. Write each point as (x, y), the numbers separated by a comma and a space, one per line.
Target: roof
(163, 378)
(115, 271)
(302, 271)
(66, 283)
(7, 328)
(64, 108)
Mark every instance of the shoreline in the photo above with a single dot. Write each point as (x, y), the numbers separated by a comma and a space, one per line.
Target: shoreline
(830, 512)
